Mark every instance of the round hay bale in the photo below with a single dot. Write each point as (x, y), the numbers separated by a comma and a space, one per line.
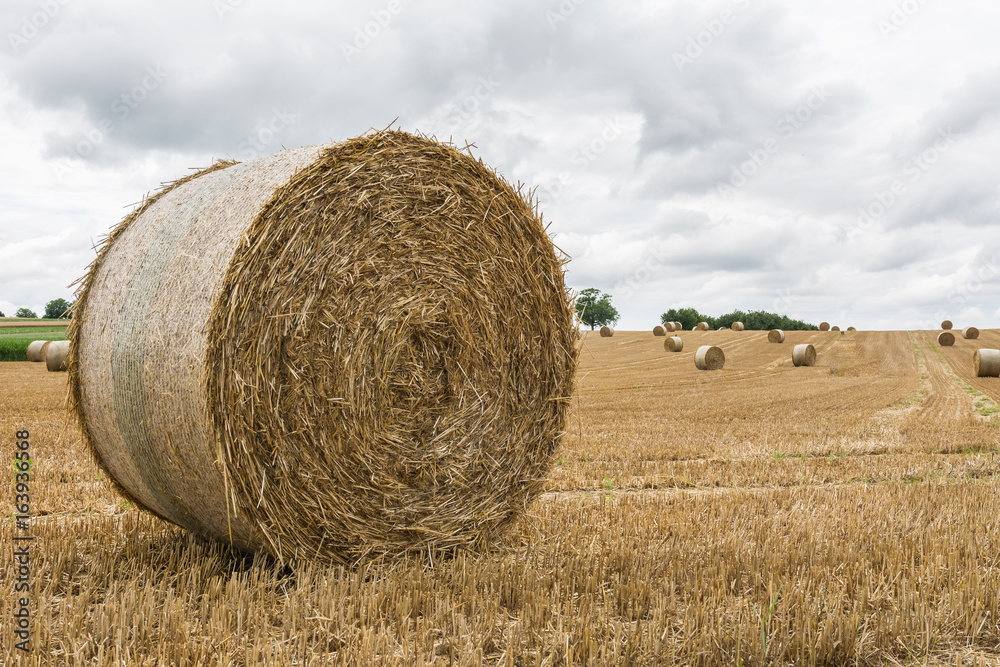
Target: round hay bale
(851, 329)
(834, 328)
(722, 329)
(56, 355)
(668, 326)
(678, 326)
(709, 358)
(659, 331)
(824, 326)
(970, 333)
(986, 363)
(775, 336)
(329, 353)
(37, 349)
(804, 355)
(737, 326)
(607, 332)
(673, 344)
(946, 339)
(946, 325)
(702, 326)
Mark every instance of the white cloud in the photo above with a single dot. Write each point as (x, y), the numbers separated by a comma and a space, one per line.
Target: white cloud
(627, 148)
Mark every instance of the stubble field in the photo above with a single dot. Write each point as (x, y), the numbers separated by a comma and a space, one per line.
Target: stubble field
(845, 513)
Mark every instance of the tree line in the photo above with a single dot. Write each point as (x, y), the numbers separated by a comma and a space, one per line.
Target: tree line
(594, 308)
(57, 309)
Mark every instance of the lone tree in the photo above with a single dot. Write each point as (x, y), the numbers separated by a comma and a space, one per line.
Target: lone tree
(56, 309)
(24, 312)
(595, 309)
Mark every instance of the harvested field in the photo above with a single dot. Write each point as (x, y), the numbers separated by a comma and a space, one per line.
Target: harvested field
(844, 513)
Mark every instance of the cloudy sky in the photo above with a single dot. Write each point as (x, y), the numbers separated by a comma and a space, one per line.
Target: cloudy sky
(829, 160)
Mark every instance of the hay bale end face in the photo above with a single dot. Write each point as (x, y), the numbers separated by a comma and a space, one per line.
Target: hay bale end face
(946, 325)
(709, 358)
(834, 328)
(737, 326)
(57, 355)
(804, 355)
(206, 331)
(851, 329)
(673, 344)
(986, 363)
(607, 332)
(659, 331)
(37, 349)
(824, 326)
(946, 339)
(775, 336)
(971, 333)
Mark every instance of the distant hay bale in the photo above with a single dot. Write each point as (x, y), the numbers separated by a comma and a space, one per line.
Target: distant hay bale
(834, 328)
(804, 355)
(970, 333)
(668, 326)
(737, 326)
(37, 349)
(56, 355)
(946, 325)
(659, 331)
(330, 353)
(723, 329)
(702, 326)
(986, 363)
(775, 336)
(673, 344)
(607, 332)
(824, 326)
(946, 339)
(851, 329)
(709, 358)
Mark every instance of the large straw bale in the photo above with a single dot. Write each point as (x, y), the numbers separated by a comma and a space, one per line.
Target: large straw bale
(946, 339)
(851, 329)
(673, 344)
(37, 349)
(668, 326)
(834, 328)
(329, 353)
(658, 330)
(804, 355)
(737, 326)
(607, 332)
(824, 326)
(986, 363)
(709, 358)
(56, 355)
(702, 326)
(775, 336)
(970, 333)
(946, 325)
